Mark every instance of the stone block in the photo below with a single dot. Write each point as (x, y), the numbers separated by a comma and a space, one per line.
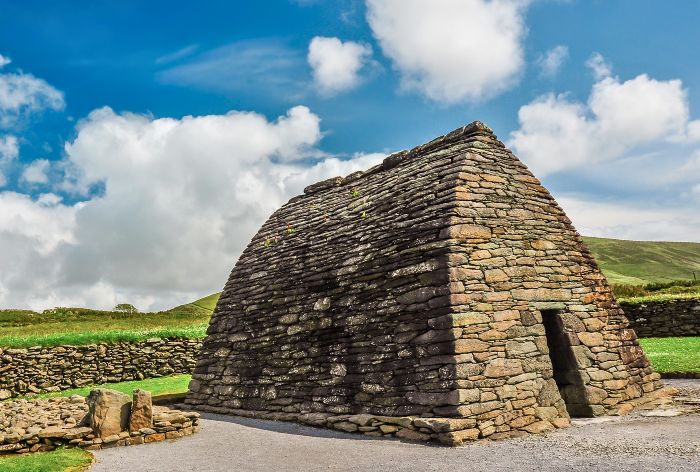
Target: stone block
(456, 438)
(465, 231)
(141, 410)
(108, 412)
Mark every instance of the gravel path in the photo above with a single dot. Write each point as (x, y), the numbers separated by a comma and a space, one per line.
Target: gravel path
(633, 443)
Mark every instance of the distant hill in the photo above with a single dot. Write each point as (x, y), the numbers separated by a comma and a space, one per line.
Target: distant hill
(208, 302)
(642, 262)
(622, 262)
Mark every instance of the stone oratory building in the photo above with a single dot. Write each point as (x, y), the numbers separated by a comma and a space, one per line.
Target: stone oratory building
(440, 295)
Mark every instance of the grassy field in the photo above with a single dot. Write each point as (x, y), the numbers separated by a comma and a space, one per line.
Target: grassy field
(60, 460)
(22, 328)
(642, 262)
(170, 385)
(673, 354)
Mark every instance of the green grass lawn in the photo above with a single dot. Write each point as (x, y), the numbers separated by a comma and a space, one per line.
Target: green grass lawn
(22, 328)
(60, 460)
(673, 354)
(170, 385)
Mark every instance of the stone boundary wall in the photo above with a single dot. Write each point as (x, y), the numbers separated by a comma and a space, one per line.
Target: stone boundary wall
(53, 368)
(664, 318)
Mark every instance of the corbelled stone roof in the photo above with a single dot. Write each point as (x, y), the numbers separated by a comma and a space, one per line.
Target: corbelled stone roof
(436, 284)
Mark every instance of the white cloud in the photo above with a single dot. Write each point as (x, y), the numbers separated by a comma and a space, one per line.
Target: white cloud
(452, 50)
(695, 192)
(23, 94)
(599, 66)
(630, 152)
(632, 220)
(177, 55)
(557, 133)
(4, 60)
(36, 172)
(551, 61)
(181, 199)
(9, 150)
(266, 66)
(336, 65)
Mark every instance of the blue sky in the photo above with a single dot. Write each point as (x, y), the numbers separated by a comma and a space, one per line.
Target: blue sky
(599, 98)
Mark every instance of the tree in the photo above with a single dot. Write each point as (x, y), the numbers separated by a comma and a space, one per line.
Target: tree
(126, 308)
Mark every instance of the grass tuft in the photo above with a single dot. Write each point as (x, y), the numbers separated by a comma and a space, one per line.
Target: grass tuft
(59, 460)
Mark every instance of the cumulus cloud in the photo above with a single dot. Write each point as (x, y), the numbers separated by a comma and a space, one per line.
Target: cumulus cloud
(551, 61)
(557, 133)
(336, 65)
(623, 219)
(452, 50)
(23, 94)
(9, 150)
(4, 60)
(180, 200)
(599, 66)
(36, 172)
(632, 142)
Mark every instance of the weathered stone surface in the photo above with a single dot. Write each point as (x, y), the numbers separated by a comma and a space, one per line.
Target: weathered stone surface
(108, 411)
(423, 288)
(464, 231)
(411, 435)
(141, 410)
(591, 339)
(456, 438)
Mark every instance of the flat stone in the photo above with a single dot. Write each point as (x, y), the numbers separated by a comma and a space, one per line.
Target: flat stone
(456, 438)
(465, 231)
(411, 435)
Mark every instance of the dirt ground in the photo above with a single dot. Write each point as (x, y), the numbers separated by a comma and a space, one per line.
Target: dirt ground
(662, 439)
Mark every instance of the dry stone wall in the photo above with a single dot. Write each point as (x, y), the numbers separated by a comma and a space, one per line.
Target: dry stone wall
(665, 318)
(47, 369)
(420, 289)
(46, 424)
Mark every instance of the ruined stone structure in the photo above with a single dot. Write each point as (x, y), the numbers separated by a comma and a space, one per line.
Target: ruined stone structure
(442, 294)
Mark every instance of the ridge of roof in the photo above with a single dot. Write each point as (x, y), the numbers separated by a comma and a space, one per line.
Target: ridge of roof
(463, 134)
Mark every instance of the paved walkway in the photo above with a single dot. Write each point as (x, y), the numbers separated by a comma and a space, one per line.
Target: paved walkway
(633, 443)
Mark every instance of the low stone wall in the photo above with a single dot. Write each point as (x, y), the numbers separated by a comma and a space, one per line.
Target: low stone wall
(664, 319)
(45, 424)
(47, 369)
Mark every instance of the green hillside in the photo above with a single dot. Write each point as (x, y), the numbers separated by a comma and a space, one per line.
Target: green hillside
(208, 303)
(642, 262)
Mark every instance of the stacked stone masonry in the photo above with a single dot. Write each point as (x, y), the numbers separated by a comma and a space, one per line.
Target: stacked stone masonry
(664, 318)
(46, 424)
(422, 289)
(47, 369)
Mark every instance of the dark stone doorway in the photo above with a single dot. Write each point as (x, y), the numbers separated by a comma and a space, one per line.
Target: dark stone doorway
(566, 371)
